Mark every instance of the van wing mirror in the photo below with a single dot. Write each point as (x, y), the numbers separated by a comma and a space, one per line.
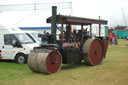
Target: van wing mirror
(39, 35)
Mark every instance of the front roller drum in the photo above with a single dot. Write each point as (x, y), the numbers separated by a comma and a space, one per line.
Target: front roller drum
(93, 51)
(48, 62)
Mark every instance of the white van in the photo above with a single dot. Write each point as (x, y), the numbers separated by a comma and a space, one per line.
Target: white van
(15, 44)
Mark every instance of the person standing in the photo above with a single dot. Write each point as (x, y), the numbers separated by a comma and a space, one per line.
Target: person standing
(110, 38)
(115, 39)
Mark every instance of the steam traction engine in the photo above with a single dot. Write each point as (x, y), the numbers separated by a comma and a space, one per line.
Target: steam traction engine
(71, 48)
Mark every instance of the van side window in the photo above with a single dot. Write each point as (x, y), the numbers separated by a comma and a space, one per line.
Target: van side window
(8, 38)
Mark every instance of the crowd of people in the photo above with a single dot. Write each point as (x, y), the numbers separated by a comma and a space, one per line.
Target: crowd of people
(113, 38)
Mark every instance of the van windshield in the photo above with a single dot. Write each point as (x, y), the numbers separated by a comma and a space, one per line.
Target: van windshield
(23, 38)
(36, 36)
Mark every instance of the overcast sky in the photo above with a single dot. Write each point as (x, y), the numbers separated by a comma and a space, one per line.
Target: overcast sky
(111, 10)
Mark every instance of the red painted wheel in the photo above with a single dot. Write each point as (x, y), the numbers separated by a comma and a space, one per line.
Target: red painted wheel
(53, 62)
(45, 62)
(93, 51)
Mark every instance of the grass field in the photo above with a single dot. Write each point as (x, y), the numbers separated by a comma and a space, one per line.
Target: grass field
(113, 71)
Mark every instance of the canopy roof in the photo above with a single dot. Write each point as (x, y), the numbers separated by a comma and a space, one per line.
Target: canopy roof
(62, 19)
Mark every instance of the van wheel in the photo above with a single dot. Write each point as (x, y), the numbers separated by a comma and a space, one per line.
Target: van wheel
(21, 58)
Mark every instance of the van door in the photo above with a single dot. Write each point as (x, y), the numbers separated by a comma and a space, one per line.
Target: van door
(9, 51)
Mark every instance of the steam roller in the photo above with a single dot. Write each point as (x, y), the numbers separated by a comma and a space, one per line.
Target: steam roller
(71, 47)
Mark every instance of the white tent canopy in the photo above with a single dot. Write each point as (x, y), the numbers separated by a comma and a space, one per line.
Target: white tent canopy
(115, 11)
(31, 14)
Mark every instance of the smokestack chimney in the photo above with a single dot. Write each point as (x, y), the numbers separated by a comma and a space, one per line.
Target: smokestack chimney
(53, 25)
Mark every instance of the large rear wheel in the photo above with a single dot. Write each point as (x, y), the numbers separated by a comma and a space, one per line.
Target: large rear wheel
(93, 51)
